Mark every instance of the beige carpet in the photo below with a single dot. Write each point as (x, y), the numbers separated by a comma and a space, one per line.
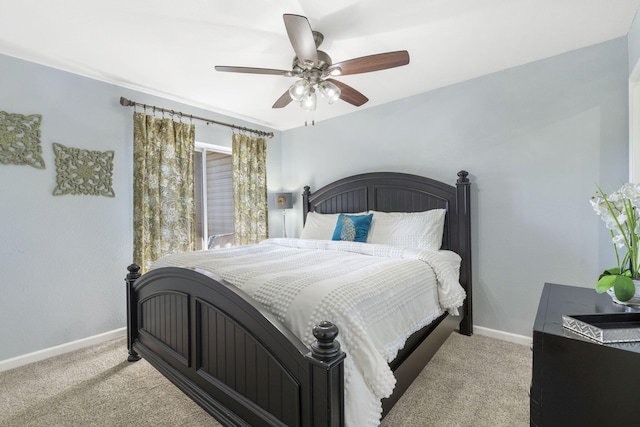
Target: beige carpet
(472, 381)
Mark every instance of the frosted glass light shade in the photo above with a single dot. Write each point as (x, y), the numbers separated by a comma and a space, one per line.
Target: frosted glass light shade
(299, 90)
(329, 91)
(309, 101)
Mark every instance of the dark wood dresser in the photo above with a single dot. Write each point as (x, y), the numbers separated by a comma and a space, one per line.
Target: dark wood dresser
(577, 381)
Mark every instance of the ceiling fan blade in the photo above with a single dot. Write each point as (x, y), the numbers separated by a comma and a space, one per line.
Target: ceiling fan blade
(283, 101)
(251, 70)
(349, 94)
(301, 37)
(366, 64)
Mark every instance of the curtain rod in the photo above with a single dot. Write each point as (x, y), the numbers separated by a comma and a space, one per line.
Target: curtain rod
(128, 103)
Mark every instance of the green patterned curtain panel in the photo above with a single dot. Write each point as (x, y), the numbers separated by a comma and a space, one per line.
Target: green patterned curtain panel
(249, 162)
(163, 196)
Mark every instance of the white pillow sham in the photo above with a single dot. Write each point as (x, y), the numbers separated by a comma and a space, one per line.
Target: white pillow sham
(321, 226)
(420, 230)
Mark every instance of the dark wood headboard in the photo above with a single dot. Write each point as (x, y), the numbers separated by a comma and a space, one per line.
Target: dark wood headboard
(400, 192)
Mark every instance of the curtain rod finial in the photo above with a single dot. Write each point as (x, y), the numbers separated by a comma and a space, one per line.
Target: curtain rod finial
(125, 102)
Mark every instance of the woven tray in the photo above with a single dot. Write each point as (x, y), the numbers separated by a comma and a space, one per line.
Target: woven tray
(605, 328)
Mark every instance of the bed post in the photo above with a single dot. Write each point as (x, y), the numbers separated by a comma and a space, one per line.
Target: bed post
(305, 203)
(132, 311)
(327, 376)
(464, 246)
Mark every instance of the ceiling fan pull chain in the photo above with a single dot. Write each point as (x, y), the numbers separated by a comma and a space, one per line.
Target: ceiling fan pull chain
(310, 115)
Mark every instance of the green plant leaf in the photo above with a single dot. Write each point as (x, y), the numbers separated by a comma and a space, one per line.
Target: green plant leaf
(605, 282)
(624, 288)
(609, 272)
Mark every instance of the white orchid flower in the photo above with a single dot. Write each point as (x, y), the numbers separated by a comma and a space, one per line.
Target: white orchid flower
(619, 241)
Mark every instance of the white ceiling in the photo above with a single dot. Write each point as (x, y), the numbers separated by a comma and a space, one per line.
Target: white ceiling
(170, 48)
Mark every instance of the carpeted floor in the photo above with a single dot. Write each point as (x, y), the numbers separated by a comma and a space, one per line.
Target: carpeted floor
(472, 381)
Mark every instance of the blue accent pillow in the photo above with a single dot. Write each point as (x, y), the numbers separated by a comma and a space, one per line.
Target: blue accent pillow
(353, 228)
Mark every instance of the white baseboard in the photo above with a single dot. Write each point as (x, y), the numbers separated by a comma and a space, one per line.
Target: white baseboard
(46, 353)
(501, 335)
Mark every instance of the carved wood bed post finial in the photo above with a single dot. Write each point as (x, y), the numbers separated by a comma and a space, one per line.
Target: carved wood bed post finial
(132, 312)
(325, 347)
(463, 177)
(134, 273)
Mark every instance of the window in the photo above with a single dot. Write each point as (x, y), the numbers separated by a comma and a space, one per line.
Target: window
(214, 195)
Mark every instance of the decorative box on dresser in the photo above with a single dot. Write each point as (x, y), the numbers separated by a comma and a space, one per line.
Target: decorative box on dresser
(577, 381)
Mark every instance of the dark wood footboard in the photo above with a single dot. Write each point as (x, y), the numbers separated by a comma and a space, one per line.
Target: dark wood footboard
(231, 356)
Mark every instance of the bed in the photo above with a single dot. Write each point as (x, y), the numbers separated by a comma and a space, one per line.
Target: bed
(241, 363)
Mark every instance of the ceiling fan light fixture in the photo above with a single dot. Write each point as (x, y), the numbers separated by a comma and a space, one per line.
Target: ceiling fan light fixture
(329, 91)
(309, 101)
(299, 90)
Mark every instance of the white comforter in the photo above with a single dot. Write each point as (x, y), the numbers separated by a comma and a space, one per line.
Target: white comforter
(377, 295)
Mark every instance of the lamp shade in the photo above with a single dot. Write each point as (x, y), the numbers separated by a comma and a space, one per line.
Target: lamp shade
(284, 200)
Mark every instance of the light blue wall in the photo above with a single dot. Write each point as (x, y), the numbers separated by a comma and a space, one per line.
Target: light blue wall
(536, 139)
(63, 258)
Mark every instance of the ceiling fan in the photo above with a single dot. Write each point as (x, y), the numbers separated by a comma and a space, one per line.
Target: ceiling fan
(315, 70)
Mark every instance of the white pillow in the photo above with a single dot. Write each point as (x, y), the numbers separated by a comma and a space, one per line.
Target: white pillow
(319, 226)
(420, 230)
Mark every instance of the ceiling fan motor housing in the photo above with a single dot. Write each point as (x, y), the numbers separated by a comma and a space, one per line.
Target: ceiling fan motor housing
(308, 71)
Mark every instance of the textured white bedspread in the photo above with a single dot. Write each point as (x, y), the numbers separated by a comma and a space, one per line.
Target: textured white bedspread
(377, 295)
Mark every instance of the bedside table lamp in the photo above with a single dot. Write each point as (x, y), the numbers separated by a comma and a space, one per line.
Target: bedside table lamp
(284, 201)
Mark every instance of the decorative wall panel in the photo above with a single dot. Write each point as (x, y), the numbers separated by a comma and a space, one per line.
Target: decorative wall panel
(83, 171)
(20, 140)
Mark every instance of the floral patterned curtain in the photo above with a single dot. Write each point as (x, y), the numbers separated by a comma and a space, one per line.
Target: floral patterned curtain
(249, 162)
(163, 196)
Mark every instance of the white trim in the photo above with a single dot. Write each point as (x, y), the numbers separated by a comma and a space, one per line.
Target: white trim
(203, 197)
(205, 147)
(634, 124)
(213, 147)
(39, 355)
(504, 336)
(46, 353)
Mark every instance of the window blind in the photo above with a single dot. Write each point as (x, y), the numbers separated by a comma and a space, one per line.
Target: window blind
(219, 194)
